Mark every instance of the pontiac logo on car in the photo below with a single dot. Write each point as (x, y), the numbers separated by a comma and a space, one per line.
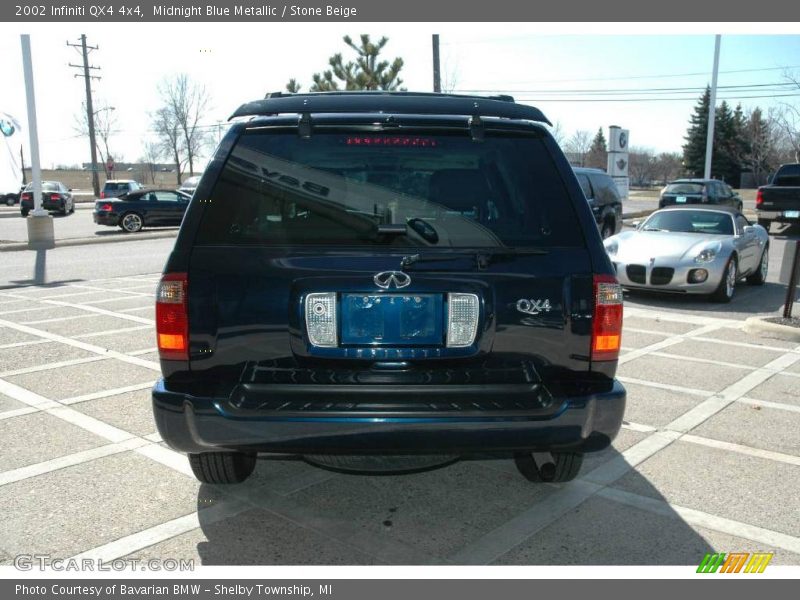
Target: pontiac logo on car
(388, 279)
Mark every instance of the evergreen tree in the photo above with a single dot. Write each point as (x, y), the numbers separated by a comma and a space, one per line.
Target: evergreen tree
(365, 73)
(598, 153)
(694, 151)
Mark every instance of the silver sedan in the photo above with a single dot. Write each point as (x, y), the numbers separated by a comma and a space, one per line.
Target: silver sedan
(693, 251)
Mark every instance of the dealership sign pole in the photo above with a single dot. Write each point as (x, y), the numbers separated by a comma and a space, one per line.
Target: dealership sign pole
(40, 225)
(712, 109)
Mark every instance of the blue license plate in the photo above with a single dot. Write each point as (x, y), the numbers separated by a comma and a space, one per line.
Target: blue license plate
(392, 320)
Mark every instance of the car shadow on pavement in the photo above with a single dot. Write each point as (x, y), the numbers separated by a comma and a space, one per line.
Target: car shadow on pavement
(474, 511)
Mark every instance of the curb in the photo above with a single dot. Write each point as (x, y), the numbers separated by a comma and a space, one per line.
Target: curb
(636, 215)
(775, 330)
(19, 246)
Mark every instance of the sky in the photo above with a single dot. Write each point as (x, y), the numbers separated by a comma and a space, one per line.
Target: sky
(567, 73)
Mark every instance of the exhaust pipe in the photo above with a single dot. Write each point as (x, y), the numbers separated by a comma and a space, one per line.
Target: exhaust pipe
(545, 465)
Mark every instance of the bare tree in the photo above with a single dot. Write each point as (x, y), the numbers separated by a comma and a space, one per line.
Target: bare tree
(668, 166)
(170, 139)
(449, 75)
(578, 146)
(787, 119)
(641, 166)
(149, 161)
(186, 103)
(105, 126)
(557, 131)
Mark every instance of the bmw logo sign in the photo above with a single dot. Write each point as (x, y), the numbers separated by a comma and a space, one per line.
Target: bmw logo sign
(7, 127)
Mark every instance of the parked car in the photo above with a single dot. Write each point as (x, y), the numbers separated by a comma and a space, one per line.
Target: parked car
(114, 188)
(143, 208)
(397, 276)
(699, 191)
(190, 184)
(55, 197)
(691, 250)
(780, 201)
(603, 198)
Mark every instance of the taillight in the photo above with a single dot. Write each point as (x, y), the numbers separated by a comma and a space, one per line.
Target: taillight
(102, 194)
(759, 198)
(607, 318)
(107, 207)
(55, 196)
(27, 196)
(172, 320)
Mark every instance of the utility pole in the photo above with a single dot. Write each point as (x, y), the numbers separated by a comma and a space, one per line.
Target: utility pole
(89, 108)
(437, 78)
(712, 109)
(22, 162)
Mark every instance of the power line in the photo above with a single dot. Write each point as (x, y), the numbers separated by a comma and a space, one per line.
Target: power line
(775, 86)
(685, 99)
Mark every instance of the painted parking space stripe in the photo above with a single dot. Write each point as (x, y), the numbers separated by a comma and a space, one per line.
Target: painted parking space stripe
(82, 345)
(108, 392)
(742, 449)
(102, 311)
(702, 519)
(53, 365)
(768, 404)
(70, 460)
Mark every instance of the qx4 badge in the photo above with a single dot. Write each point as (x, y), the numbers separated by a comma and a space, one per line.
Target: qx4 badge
(533, 307)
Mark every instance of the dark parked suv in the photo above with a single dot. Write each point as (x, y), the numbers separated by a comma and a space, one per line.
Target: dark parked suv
(603, 197)
(385, 278)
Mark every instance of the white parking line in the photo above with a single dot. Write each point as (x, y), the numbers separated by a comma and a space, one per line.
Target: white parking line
(767, 404)
(639, 427)
(670, 341)
(701, 519)
(666, 386)
(740, 449)
(102, 311)
(21, 344)
(733, 392)
(84, 346)
(54, 319)
(708, 361)
(107, 393)
(70, 460)
(53, 365)
(95, 334)
(17, 412)
(658, 315)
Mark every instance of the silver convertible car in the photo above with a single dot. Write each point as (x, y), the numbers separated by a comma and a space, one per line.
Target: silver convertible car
(691, 250)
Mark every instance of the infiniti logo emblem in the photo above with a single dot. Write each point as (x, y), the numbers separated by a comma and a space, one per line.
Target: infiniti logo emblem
(386, 279)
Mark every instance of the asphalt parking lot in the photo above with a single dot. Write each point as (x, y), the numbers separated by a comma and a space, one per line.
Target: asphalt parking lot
(708, 459)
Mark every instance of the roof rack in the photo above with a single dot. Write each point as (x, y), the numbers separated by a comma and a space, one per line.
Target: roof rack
(390, 102)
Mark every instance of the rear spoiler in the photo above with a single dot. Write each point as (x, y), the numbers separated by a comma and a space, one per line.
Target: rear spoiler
(392, 103)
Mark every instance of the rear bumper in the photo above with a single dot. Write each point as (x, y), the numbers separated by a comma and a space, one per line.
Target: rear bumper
(776, 215)
(105, 218)
(195, 424)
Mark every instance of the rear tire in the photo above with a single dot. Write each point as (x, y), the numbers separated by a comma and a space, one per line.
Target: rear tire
(567, 467)
(765, 224)
(608, 229)
(727, 285)
(9, 200)
(222, 467)
(760, 275)
(131, 222)
(24, 212)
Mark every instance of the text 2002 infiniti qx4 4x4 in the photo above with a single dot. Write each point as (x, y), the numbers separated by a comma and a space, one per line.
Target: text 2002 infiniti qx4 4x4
(367, 278)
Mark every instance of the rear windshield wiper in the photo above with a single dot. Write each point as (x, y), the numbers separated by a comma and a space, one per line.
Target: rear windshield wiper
(483, 258)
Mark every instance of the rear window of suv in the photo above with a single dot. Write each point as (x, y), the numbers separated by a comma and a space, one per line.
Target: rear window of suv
(343, 189)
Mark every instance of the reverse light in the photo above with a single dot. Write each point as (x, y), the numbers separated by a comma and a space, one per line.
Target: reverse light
(607, 318)
(321, 322)
(172, 321)
(462, 319)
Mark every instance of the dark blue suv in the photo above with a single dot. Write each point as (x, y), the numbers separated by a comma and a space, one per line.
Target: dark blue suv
(373, 275)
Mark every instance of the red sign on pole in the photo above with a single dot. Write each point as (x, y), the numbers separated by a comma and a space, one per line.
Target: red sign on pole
(110, 165)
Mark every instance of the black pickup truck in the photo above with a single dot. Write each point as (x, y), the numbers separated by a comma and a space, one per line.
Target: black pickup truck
(780, 201)
(384, 276)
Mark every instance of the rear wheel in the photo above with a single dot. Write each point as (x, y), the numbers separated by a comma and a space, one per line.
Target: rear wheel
(727, 286)
(131, 222)
(608, 229)
(565, 467)
(222, 467)
(765, 224)
(9, 200)
(760, 274)
(24, 212)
